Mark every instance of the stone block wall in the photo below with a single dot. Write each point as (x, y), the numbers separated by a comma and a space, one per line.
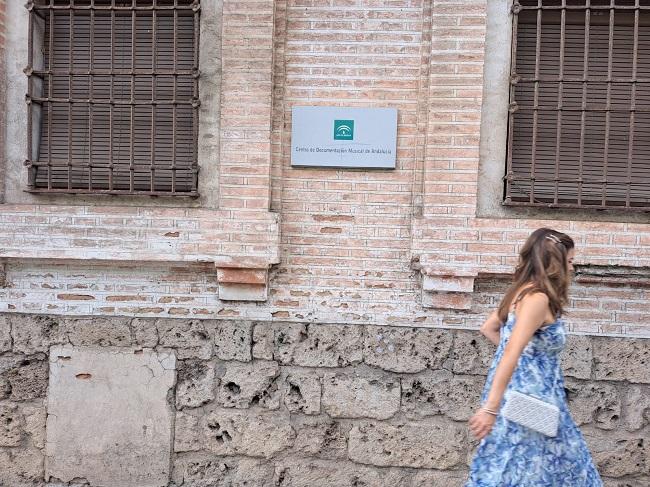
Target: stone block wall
(292, 404)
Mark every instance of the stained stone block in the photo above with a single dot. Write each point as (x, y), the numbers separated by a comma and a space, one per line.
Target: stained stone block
(189, 338)
(109, 420)
(348, 396)
(440, 392)
(232, 340)
(302, 393)
(433, 444)
(246, 384)
(637, 407)
(196, 383)
(594, 402)
(407, 350)
(577, 357)
(200, 470)
(621, 359)
(472, 353)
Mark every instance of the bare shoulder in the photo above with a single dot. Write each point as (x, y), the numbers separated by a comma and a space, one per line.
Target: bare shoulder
(536, 300)
(534, 309)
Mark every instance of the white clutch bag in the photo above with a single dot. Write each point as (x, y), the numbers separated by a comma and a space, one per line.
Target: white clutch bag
(531, 412)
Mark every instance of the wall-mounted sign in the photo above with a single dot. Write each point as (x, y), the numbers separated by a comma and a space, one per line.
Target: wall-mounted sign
(343, 137)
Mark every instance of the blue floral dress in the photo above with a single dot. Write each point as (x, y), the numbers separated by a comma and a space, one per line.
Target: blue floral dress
(516, 456)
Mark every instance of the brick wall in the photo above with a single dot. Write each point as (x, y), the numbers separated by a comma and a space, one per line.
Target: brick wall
(399, 247)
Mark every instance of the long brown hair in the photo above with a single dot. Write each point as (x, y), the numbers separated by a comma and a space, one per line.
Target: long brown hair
(542, 267)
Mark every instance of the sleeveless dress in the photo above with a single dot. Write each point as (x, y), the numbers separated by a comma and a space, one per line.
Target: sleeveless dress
(516, 456)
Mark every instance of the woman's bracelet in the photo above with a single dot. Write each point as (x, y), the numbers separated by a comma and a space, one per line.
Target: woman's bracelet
(489, 411)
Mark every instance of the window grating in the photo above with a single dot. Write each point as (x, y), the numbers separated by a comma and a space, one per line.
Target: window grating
(579, 123)
(113, 96)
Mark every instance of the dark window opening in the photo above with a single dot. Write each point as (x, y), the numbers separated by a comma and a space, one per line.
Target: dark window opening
(113, 96)
(579, 124)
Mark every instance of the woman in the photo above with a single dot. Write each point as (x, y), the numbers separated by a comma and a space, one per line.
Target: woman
(530, 336)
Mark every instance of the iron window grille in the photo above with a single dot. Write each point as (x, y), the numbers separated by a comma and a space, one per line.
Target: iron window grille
(113, 96)
(579, 121)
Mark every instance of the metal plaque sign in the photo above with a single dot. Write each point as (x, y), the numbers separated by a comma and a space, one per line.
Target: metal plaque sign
(343, 137)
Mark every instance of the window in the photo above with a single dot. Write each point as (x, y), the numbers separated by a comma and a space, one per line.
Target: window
(579, 123)
(113, 96)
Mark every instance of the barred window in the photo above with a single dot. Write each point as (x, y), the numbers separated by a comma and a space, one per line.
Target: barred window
(579, 124)
(113, 96)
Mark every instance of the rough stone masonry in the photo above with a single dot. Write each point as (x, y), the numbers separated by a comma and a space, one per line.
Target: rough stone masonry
(225, 403)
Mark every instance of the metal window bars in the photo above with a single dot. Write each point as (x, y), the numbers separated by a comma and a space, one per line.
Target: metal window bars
(113, 96)
(579, 118)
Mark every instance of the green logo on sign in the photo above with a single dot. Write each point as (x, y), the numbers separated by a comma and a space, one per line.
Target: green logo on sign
(343, 129)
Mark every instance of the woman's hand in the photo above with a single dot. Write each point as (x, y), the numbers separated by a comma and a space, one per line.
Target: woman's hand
(481, 424)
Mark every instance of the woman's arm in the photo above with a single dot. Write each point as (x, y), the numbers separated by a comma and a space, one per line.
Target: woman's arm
(491, 328)
(531, 313)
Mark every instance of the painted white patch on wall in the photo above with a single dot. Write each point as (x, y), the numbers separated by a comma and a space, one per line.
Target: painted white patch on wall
(109, 420)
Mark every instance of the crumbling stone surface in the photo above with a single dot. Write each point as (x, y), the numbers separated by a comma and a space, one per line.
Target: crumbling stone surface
(196, 383)
(407, 350)
(21, 467)
(35, 417)
(627, 482)
(446, 478)
(440, 392)
(637, 407)
(302, 393)
(577, 357)
(228, 432)
(620, 457)
(144, 332)
(232, 340)
(322, 473)
(28, 378)
(432, 444)
(5, 334)
(594, 402)
(189, 338)
(352, 396)
(103, 332)
(263, 338)
(35, 333)
(621, 359)
(321, 437)
(309, 345)
(245, 384)
(472, 353)
(11, 425)
(210, 471)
